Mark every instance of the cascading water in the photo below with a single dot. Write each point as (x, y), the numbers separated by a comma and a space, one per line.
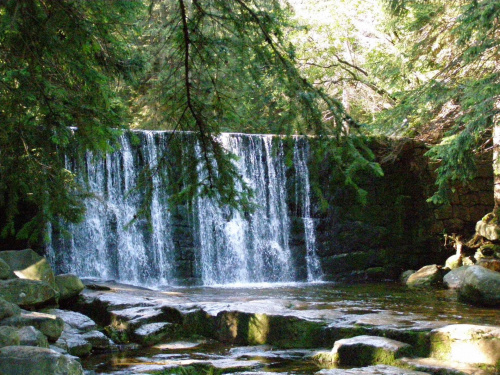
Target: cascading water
(252, 247)
(303, 195)
(211, 244)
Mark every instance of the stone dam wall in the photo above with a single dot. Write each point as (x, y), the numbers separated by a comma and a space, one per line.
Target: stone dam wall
(198, 243)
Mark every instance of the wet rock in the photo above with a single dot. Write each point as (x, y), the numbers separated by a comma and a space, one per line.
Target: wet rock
(8, 309)
(50, 325)
(73, 342)
(368, 350)
(372, 370)
(439, 367)
(98, 340)
(5, 271)
(69, 286)
(74, 319)
(426, 277)
(231, 365)
(27, 293)
(30, 336)
(228, 365)
(135, 317)
(454, 278)
(153, 333)
(466, 343)
(488, 230)
(480, 286)
(8, 336)
(26, 264)
(23, 360)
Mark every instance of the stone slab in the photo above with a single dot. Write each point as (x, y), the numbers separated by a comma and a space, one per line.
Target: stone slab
(368, 350)
(467, 343)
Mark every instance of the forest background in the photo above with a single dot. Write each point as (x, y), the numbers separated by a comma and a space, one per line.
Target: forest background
(337, 70)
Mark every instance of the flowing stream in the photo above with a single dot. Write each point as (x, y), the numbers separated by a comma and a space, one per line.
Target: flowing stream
(200, 241)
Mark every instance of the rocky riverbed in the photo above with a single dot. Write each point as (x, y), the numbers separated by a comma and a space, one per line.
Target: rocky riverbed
(287, 328)
(55, 325)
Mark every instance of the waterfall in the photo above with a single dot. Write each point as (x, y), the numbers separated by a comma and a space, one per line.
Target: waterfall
(248, 247)
(303, 195)
(200, 240)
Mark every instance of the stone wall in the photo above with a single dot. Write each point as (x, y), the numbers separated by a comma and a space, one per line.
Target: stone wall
(397, 229)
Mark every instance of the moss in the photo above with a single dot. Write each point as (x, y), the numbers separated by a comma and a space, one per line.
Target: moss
(258, 329)
(291, 332)
(439, 348)
(325, 359)
(118, 336)
(361, 355)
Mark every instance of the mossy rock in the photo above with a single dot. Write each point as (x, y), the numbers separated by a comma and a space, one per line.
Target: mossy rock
(369, 350)
(26, 264)
(9, 336)
(480, 343)
(325, 359)
(50, 325)
(8, 309)
(69, 286)
(34, 360)
(426, 277)
(480, 286)
(28, 293)
(154, 333)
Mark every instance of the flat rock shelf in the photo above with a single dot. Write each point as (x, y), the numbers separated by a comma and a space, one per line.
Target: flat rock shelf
(260, 328)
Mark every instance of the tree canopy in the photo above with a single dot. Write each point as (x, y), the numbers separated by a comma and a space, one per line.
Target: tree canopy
(59, 61)
(76, 73)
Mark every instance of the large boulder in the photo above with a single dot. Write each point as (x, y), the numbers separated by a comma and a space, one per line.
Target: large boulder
(480, 286)
(368, 350)
(26, 264)
(8, 309)
(466, 343)
(5, 271)
(426, 277)
(455, 278)
(50, 325)
(29, 360)
(27, 293)
(8, 336)
(69, 286)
